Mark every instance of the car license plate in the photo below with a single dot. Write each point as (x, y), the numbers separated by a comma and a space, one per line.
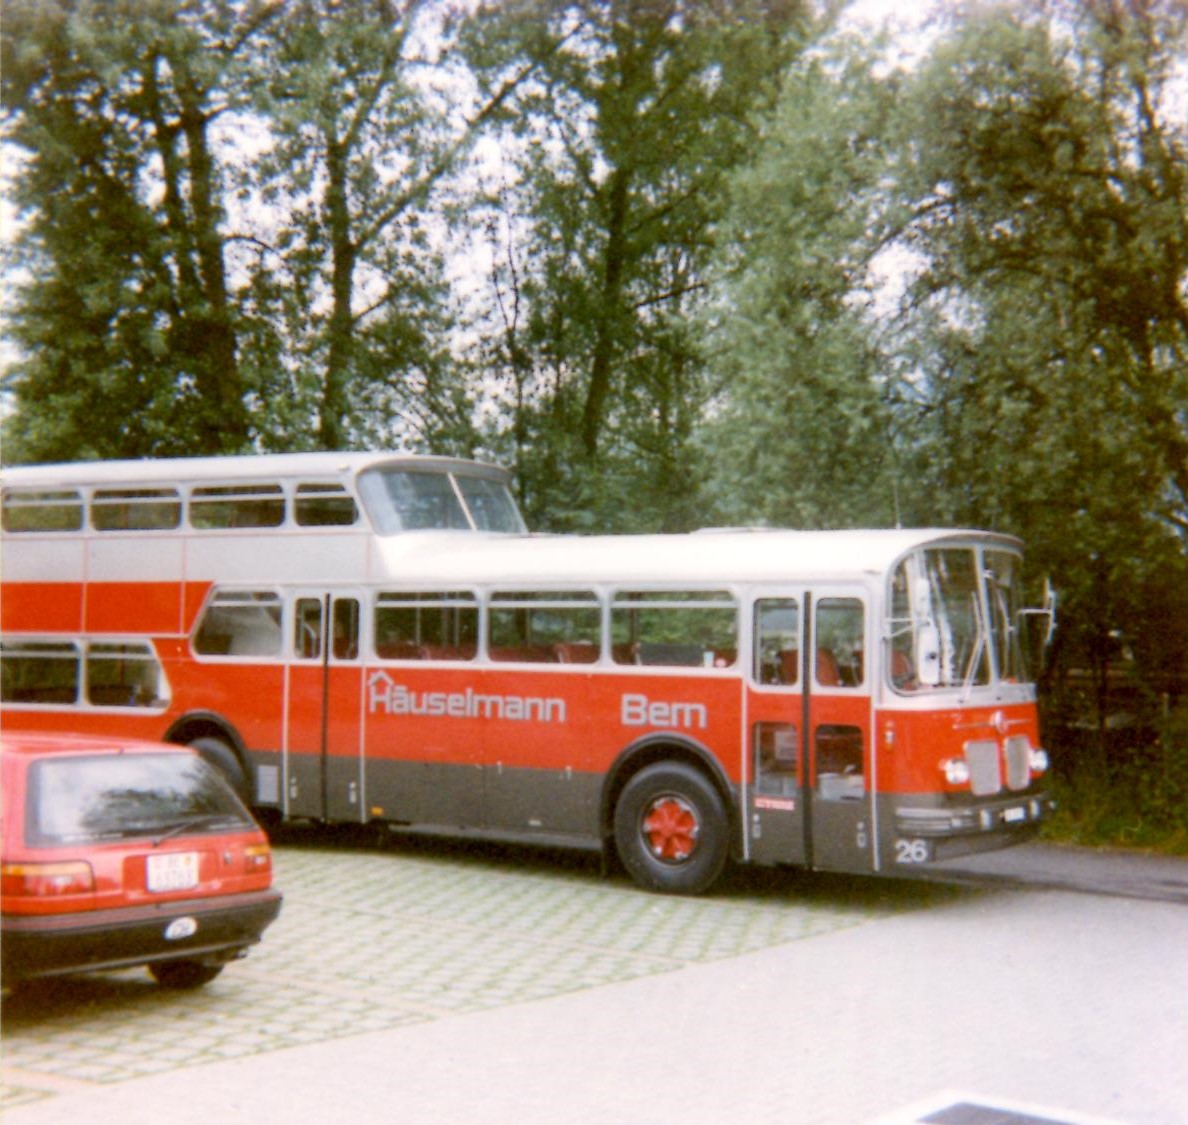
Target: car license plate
(174, 871)
(1013, 816)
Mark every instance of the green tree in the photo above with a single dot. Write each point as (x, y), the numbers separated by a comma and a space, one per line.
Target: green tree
(618, 149)
(126, 310)
(1049, 187)
(802, 433)
(359, 140)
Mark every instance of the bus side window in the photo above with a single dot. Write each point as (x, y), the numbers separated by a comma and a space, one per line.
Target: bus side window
(42, 511)
(675, 628)
(325, 505)
(776, 759)
(136, 509)
(841, 633)
(426, 625)
(544, 626)
(777, 641)
(39, 672)
(307, 629)
(240, 623)
(123, 675)
(220, 507)
(346, 629)
(840, 775)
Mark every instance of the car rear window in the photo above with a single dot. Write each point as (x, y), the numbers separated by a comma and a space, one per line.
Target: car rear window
(81, 798)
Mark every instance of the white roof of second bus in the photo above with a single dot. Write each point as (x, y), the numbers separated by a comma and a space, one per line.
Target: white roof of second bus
(465, 559)
(248, 468)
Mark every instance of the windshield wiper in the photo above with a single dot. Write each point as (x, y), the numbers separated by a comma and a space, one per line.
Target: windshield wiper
(979, 647)
(187, 825)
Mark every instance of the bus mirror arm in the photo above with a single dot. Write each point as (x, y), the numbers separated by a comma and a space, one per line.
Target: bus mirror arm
(1046, 611)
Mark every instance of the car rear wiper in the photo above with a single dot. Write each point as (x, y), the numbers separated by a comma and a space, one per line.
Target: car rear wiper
(203, 821)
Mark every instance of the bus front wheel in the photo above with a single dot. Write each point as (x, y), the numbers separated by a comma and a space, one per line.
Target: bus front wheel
(671, 830)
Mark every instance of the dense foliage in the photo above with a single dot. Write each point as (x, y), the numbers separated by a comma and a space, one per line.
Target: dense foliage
(674, 261)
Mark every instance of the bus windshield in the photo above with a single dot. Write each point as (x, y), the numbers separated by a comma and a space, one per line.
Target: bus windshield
(399, 499)
(947, 631)
(1005, 589)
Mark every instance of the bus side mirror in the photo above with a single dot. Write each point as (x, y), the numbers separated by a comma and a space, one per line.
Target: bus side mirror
(1038, 626)
(928, 669)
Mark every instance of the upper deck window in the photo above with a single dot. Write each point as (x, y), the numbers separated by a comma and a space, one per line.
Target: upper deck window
(237, 505)
(490, 503)
(325, 505)
(43, 511)
(427, 500)
(135, 509)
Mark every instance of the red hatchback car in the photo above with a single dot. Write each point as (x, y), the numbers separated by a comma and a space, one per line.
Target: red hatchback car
(119, 853)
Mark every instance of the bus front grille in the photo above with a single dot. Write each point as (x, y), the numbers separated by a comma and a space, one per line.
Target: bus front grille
(985, 774)
(1018, 761)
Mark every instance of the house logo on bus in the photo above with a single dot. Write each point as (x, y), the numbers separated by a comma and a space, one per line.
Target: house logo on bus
(385, 695)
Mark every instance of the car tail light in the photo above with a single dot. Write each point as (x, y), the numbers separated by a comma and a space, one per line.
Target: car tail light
(258, 857)
(46, 880)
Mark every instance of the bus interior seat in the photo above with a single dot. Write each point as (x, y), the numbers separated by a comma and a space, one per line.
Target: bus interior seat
(524, 654)
(828, 674)
(576, 652)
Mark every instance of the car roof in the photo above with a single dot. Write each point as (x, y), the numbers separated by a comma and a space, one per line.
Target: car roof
(66, 742)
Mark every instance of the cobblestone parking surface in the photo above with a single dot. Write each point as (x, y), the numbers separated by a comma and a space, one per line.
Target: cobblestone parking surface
(372, 938)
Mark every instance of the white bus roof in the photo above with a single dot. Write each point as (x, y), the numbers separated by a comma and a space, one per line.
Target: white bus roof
(575, 562)
(250, 467)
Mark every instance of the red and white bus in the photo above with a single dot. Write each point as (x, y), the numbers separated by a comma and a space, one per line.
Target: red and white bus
(374, 638)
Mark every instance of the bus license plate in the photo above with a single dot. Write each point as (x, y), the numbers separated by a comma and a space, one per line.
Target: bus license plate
(176, 871)
(1013, 816)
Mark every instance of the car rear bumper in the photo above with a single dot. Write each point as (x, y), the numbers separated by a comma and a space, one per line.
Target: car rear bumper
(207, 929)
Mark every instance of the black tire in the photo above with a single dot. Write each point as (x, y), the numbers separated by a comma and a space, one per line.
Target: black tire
(184, 974)
(671, 829)
(226, 761)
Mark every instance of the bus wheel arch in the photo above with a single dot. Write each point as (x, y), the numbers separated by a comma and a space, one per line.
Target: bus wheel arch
(217, 744)
(667, 816)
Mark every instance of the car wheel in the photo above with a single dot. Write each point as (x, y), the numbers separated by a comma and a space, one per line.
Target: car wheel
(671, 830)
(184, 974)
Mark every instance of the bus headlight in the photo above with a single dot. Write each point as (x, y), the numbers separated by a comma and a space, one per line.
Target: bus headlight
(956, 771)
(1039, 760)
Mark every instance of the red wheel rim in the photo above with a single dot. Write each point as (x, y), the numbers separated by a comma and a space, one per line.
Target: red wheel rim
(670, 829)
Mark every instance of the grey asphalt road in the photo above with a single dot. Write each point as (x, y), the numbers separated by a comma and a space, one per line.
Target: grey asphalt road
(1092, 870)
(420, 985)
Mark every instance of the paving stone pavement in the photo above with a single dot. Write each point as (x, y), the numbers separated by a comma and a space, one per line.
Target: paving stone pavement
(372, 939)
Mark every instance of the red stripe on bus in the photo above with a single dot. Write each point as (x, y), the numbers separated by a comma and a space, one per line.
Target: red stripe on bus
(41, 607)
(108, 607)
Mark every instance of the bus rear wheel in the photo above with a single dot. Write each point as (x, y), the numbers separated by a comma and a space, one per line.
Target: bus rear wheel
(225, 760)
(671, 830)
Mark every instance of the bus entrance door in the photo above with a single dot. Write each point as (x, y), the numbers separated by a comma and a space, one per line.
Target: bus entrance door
(809, 732)
(775, 715)
(838, 733)
(323, 764)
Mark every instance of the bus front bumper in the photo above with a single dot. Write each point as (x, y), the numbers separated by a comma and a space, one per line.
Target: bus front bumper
(1005, 815)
